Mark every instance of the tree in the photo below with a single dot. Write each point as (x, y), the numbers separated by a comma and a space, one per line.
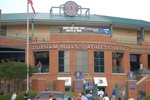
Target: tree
(14, 72)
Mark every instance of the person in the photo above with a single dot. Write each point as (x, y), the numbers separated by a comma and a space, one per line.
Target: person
(51, 97)
(79, 96)
(89, 95)
(69, 98)
(2, 92)
(83, 97)
(106, 97)
(140, 97)
(113, 94)
(54, 99)
(105, 93)
(131, 98)
(14, 96)
(101, 94)
(26, 95)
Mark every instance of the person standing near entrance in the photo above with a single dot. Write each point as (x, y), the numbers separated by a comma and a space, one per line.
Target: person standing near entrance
(26, 95)
(101, 94)
(105, 97)
(14, 96)
(113, 94)
(131, 98)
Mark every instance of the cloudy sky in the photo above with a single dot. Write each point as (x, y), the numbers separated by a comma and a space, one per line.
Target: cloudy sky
(134, 9)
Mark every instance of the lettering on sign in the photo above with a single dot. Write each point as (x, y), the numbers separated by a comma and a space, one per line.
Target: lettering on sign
(75, 47)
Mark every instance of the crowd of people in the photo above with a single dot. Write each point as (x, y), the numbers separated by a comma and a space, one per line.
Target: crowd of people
(103, 95)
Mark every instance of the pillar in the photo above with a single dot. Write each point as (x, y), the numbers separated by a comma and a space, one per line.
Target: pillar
(132, 89)
(60, 85)
(78, 86)
(147, 87)
(144, 60)
(111, 30)
(142, 34)
(38, 84)
(108, 58)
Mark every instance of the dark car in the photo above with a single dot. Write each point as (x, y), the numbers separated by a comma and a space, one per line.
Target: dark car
(58, 95)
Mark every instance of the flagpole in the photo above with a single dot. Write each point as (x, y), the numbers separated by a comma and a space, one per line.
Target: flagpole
(27, 49)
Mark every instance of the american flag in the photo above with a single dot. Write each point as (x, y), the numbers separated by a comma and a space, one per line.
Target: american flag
(31, 3)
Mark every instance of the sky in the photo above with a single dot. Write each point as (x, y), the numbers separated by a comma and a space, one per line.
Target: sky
(133, 9)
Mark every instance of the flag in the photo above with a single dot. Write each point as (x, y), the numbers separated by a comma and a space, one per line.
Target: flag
(31, 3)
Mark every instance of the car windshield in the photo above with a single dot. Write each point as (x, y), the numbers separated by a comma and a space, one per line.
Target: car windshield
(43, 95)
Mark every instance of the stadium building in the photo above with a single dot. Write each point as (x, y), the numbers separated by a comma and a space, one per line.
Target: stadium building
(68, 39)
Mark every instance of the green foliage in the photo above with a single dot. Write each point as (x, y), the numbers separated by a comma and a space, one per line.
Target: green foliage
(15, 72)
(5, 96)
(147, 97)
(20, 96)
(32, 95)
(71, 93)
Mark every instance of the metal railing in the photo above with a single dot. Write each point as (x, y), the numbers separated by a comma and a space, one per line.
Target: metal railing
(126, 41)
(13, 34)
(117, 70)
(43, 69)
(144, 71)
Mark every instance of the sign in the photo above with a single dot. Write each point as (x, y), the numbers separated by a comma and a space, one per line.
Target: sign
(131, 75)
(132, 86)
(70, 8)
(76, 47)
(78, 74)
(79, 85)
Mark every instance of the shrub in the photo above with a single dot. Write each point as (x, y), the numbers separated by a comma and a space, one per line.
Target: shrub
(147, 97)
(5, 96)
(32, 95)
(20, 95)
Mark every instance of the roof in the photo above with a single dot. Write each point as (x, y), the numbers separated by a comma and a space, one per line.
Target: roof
(46, 17)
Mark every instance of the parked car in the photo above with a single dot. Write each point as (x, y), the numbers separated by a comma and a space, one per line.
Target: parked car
(44, 95)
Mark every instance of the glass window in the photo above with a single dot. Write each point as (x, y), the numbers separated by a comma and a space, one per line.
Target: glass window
(82, 61)
(98, 62)
(42, 62)
(64, 61)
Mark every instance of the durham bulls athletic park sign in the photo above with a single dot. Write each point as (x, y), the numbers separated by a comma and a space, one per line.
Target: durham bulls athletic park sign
(75, 47)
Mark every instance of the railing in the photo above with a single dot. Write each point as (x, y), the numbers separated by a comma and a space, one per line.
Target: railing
(23, 36)
(43, 69)
(126, 41)
(117, 70)
(145, 71)
(12, 34)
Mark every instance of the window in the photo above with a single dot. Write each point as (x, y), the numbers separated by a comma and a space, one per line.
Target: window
(99, 62)
(42, 62)
(64, 61)
(82, 61)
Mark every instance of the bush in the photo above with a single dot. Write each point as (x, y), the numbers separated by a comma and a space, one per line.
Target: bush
(32, 95)
(20, 95)
(5, 96)
(147, 97)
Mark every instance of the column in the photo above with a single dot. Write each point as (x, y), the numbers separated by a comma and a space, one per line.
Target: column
(144, 60)
(78, 86)
(108, 58)
(38, 84)
(32, 28)
(132, 89)
(147, 87)
(111, 30)
(60, 85)
(142, 33)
